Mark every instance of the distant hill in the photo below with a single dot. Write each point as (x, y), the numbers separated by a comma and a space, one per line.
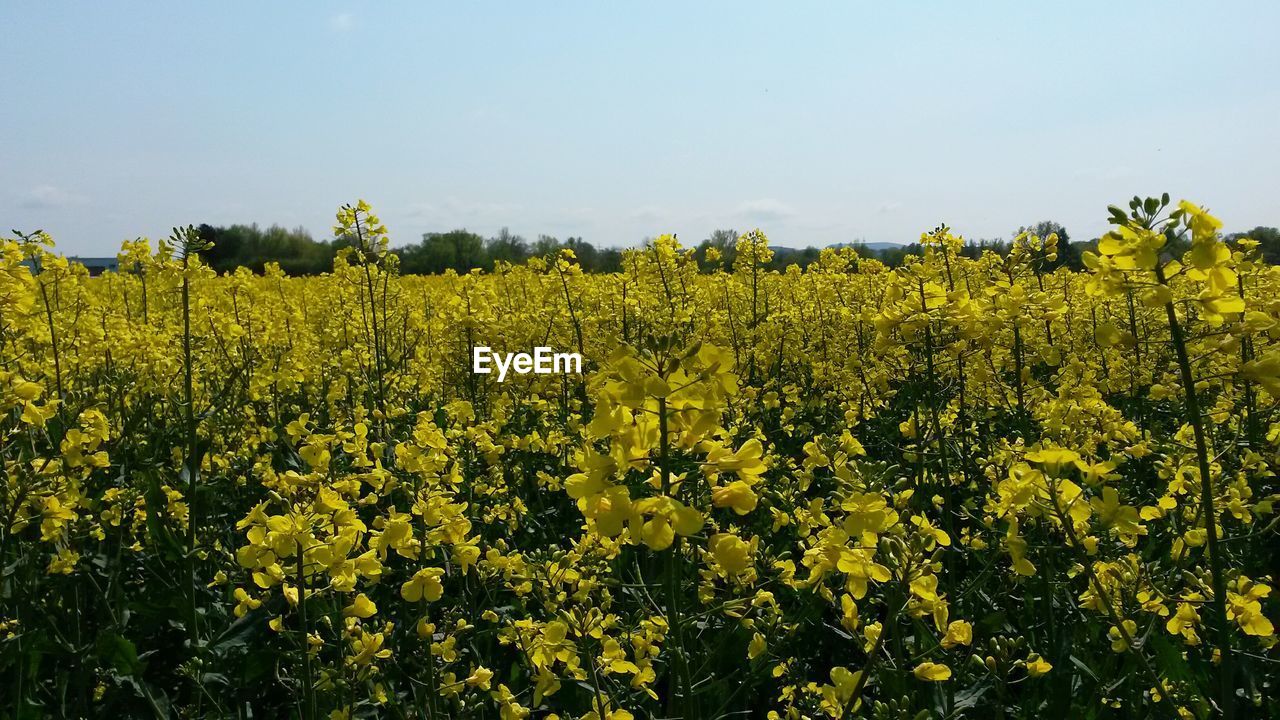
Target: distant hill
(869, 245)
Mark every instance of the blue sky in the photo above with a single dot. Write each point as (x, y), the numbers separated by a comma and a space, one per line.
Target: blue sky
(817, 122)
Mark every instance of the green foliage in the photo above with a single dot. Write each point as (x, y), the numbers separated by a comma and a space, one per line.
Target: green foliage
(1268, 239)
(253, 247)
(461, 250)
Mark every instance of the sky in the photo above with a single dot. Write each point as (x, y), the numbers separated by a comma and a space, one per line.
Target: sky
(818, 123)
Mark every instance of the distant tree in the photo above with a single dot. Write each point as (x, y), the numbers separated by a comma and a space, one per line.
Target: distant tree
(222, 247)
(507, 247)
(785, 256)
(585, 252)
(468, 251)
(545, 246)
(608, 260)
(1176, 246)
(432, 255)
(724, 242)
(1268, 239)
(894, 257)
(462, 250)
(1068, 253)
(458, 250)
(1044, 229)
(253, 247)
(975, 249)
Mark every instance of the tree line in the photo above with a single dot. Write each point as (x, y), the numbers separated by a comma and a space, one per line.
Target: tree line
(461, 250)
(298, 253)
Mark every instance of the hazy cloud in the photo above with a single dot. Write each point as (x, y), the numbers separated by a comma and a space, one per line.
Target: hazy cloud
(341, 22)
(460, 211)
(43, 197)
(765, 210)
(649, 214)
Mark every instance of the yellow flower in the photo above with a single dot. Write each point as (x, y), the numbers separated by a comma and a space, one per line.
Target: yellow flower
(1118, 643)
(244, 602)
(959, 632)
(756, 647)
(869, 515)
(64, 563)
(1053, 458)
(732, 553)
(1184, 623)
(1131, 248)
(480, 677)
(1246, 609)
(361, 607)
(737, 495)
(1122, 519)
(1037, 666)
(424, 585)
(367, 647)
(747, 462)
(932, 672)
(667, 518)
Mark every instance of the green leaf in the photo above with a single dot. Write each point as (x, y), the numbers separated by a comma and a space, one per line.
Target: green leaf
(970, 696)
(118, 652)
(1087, 670)
(240, 632)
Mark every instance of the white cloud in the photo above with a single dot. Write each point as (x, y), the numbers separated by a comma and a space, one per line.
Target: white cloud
(765, 210)
(649, 214)
(459, 211)
(49, 196)
(341, 22)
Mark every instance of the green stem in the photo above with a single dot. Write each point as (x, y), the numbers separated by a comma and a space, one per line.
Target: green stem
(675, 700)
(1218, 605)
(308, 690)
(193, 471)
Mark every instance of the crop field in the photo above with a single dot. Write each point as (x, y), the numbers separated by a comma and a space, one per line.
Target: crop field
(960, 488)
